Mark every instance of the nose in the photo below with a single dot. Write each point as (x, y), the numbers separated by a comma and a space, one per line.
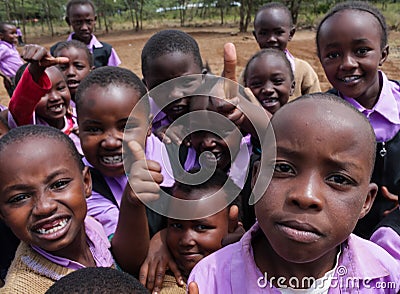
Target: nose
(176, 93)
(187, 239)
(112, 140)
(69, 71)
(271, 38)
(208, 141)
(348, 62)
(44, 204)
(53, 95)
(267, 88)
(307, 194)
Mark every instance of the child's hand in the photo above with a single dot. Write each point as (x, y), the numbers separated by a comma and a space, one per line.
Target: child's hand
(175, 134)
(391, 197)
(39, 55)
(158, 259)
(236, 230)
(144, 175)
(230, 61)
(193, 288)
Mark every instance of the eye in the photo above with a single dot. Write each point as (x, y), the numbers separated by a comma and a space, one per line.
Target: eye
(62, 67)
(201, 227)
(362, 51)
(278, 82)
(332, 55)
(18, 198)
(341, 180)
(281, 168)
(92, 130)
(60, 184)
(176, 226)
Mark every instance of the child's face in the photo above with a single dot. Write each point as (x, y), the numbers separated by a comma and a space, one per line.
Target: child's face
(350, 53)
(268, 77)
(9, 35)
(53, 106)
(272, 29)
(43, 202)
(77, 68)
(168, 67)
(207, 139)
(189, 241)
(82, 19)
(321, 181)
(103, 114)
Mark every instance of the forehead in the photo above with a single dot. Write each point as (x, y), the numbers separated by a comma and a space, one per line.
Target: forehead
(173, 64)
(272, 17)
(273, 61)
(81, 10)
(73, 52)
(351, 23)
(9, 28)
(54, 73)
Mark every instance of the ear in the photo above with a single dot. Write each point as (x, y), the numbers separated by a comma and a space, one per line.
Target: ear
(87, 181)
(67, 20)
(233, 218)
(292, 32)
(95, 18)
(372, 191)
(254, 173)
(384, 55)
(292, 87)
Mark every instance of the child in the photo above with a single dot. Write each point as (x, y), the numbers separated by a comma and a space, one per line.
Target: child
(97, 280)
(42, 96)
(10, 60)
(104, 102)
(270, 78)
(43, 203)
(351, 60)
(79, 66)
(19, 35)
(170, 54)
(306, 215)
(273, 28)
(81, 15)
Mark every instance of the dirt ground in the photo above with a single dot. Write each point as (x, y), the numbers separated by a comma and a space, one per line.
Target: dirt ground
(211, 40)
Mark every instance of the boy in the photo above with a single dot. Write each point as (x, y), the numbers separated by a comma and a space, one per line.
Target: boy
(319, 189)
(273, 28)
(81, 15)
(10, 60)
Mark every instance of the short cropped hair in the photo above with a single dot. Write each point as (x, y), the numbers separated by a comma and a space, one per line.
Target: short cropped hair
(269, 51)
(275, 5)
(99, 280)
(74, 44)
(3, 26)
(25, 133)
(80, 2)
(111, 75)
(360, 6)
(169, 41)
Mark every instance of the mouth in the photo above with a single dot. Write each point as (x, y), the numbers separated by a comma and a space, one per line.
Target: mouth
(299, 231)
(57, 108)
(350, 79)
(212, 156)
(269, 102)
(52, 229)
(111, 160)
(72, 83)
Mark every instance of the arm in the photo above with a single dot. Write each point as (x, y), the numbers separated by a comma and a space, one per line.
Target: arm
(131, 239)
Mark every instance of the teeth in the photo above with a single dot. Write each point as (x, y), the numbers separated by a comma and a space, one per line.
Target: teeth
(58, 107)
(112, 159)
(270, 101)
(61, 225)
(350, 79)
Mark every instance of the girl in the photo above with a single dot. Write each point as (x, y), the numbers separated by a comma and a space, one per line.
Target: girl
(42, 96)
(352, 44)
(270, 78)
(44, 204)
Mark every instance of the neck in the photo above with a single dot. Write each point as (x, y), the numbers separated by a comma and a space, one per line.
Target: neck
(275, 267)
(78, 250)
(370, 97)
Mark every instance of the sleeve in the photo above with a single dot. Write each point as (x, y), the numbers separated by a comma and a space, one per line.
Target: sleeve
(388, 239)
(113, 60)
(25, 97)
(309, 79)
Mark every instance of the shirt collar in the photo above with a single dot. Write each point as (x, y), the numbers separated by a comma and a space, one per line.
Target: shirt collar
(7, 44)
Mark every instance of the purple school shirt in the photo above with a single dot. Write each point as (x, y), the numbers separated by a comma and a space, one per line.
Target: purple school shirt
(160, 119)
(290, 57)
(104, 210)
(232, 269)
(385, 115)
(98, 244)
(113, 60)
(239, 166)
(10, 60)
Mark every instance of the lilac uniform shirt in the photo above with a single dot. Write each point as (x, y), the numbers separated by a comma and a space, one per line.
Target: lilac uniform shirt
(385, 115)
(290, 57)
(113, 60)
(388, 239)
(232, 269)
(10, 61)
(239, 166)
(98, 244)
(104, 210)
(160, 119)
